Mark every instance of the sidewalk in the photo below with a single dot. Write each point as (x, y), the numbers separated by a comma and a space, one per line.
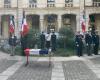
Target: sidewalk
(63, 68)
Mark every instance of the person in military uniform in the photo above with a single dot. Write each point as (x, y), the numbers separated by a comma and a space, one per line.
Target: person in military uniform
(12, 43)
(42, 40)
(95, 43)
(53, 41)
(79, 44)
(88, 41)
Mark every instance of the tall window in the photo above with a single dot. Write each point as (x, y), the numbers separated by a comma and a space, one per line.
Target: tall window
(50, 0)
(96, 3)
(32, 3)
(7, 3)
(50, 3)
(68, 3)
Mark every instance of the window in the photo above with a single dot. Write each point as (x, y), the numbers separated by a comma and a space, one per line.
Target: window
(32, 3)
(7, 3)
(50, 0)
(96, 3)
(50, 3)
(68, 3)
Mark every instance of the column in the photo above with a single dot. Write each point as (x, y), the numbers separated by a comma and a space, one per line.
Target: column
(19, 18)
(0, 25)
(78, 28)
(59, 22)
(87, 22)
(16, 28)
(41, 23)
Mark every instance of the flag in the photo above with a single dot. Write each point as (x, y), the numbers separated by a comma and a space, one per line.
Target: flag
(24, 26)
(11, 25)
(83, 24)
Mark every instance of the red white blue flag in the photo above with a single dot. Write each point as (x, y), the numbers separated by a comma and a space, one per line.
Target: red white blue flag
(24, 26)
(83, 23)
(11, 25)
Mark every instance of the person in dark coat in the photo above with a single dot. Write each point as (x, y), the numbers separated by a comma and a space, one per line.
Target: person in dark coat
(12, 43)
(79, 45)
(53, 41)
(42, 40)
(88, 41)
(95, 39)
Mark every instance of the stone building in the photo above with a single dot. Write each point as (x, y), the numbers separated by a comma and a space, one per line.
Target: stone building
(61, 13)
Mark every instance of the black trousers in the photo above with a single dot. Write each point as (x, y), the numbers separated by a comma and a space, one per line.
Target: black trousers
(47, 44)
(95, 49)
(88, 49)
(79, 51)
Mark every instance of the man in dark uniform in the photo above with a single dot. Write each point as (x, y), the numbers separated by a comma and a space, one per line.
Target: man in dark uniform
(12, 43)
(95, 43)
(79, 44)
(88, 40)
(53, 41)
(42, 40)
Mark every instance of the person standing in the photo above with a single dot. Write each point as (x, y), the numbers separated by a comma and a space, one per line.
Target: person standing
(42, 40)
(48, 39)
(95, 43)
(79, 45)
(53, 41)
(88, 41)
(12, 43)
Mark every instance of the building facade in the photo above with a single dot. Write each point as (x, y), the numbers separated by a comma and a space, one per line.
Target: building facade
(46, 15)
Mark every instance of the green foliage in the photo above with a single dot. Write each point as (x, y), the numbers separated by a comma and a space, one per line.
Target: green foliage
(66, 39)
(18, 50)
(32, 38)
(64, 52)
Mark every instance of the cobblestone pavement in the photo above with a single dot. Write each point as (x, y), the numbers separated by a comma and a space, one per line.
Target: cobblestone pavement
(77, 70)
(4, 64)
(34, 71)
(96, 60)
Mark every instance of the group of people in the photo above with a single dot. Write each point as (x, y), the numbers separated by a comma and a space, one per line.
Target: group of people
(48, 40)
(90, 41)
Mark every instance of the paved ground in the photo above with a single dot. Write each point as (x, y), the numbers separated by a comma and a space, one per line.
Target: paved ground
(77, 70)
(62, 68)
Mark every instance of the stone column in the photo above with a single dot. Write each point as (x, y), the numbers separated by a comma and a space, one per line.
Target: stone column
(78, 28)
(16, 25)
(0, 25)
(19, 18)
(87, 22)
(59, 22)
(41, 23)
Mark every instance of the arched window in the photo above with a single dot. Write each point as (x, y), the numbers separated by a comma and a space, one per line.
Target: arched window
(7, 3)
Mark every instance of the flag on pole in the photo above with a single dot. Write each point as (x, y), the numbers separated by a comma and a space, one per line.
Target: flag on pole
(83, 23)
(11, 25)
(24, 26)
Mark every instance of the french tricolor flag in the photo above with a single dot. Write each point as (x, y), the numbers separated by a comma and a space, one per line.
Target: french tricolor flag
(11, 26)
(36, 51)
(24, 26)
(83, 23)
